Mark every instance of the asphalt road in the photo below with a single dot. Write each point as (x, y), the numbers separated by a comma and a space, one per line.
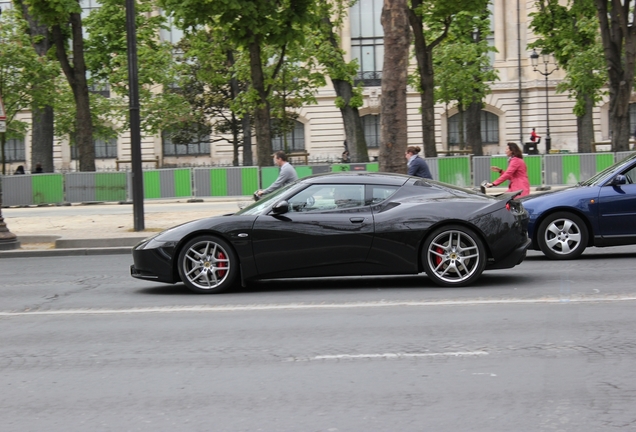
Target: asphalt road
(547, 346)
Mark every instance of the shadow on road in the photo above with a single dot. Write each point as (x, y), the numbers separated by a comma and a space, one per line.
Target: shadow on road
(341, 284)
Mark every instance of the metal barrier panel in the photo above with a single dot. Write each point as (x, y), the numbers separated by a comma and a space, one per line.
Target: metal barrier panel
(370, 167)
(433, 167)
(304, 171)
(80, 187)
(235, 181)
(553, 170)
(603, 161)
(249, 180)
(111, 186)
(17, 190)
(619, 156)
(535, 169)
(455, 170)
(182, 182)
(92, 186)
(47, 188)
(481, 169)
(268, 176)
(152, 184)
(320, 169)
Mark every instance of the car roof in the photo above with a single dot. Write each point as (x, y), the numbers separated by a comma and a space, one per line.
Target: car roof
(358, 177)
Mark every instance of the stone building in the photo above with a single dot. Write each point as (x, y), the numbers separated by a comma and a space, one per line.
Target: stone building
(516, 104)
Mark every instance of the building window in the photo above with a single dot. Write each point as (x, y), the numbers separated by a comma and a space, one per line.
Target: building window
(371, 125)
(489, 128)
(104, 149)
(198, 146)
(14, 150)
(291, 141)
(367, 40)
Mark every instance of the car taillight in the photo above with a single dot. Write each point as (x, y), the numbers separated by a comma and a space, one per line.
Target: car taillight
(508, 206)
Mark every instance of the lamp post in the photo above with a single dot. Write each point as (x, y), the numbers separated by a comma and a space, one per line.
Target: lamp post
(534, 58)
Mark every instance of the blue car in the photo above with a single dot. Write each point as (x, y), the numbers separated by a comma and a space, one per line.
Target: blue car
(598, 212)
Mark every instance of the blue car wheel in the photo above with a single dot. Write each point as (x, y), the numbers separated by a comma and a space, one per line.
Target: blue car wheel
(562, 236)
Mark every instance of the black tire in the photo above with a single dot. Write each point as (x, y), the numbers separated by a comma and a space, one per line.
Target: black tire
(208, 265)
(562, 236)
(453, 256)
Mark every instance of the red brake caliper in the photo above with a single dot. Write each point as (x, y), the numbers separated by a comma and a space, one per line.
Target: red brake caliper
(438, 259)
(221, 265)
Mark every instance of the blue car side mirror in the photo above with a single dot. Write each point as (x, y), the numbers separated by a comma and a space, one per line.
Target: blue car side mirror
(619, 180)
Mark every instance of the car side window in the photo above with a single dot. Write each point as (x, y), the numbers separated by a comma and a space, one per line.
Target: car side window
(327, 197)
(631, 175)
(380, 193)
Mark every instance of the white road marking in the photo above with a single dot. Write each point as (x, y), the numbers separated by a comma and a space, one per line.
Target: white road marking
(301, 306)
(398, 355)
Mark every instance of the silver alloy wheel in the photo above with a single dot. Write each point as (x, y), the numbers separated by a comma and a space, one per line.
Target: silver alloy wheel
(206, 265)
(563, 236)
(453, 256)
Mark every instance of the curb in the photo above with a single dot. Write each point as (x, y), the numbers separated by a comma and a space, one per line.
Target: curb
(21, 253)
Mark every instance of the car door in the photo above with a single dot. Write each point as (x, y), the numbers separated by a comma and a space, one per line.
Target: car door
(617, 207)
(326, 228)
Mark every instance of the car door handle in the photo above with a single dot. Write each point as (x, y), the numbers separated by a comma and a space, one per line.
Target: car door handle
(356, 219)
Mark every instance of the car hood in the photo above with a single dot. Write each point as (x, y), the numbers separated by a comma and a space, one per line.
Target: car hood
(222, 224)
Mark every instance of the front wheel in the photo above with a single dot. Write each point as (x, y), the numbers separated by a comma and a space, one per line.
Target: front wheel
(208, 265)
(562, 236)
(454, 256)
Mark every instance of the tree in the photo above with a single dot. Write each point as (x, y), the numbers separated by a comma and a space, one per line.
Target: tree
(251, 25)
(570, 33)
(463, 73)
(42, 132)
(64, 18)
(349, 98)
(107, 60)
(397, 41)
(618, 33)
(430, 21)
(24, 76)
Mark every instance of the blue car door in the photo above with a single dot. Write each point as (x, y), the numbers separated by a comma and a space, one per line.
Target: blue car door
(617, 208)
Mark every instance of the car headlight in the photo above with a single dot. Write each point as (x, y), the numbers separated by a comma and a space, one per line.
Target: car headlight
(155, 243)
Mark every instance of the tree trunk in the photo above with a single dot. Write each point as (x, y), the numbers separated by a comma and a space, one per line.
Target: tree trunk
(42, 133)
(393, 133)
(42, 137)
(424, 57)
(473, 128)
(248, 159)
(76, 76)
(354, 132)
(261, 112)
(585, 127)
(619, 47)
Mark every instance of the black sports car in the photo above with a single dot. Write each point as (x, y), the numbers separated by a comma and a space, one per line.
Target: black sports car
(343, 224)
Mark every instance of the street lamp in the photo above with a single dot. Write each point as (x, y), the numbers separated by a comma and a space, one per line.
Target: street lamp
(534, 58)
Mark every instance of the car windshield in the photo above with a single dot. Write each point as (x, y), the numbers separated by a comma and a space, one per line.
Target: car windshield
(258, 206)
(594, 179)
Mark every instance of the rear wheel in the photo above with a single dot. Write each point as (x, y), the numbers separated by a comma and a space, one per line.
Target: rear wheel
(562, 236)
(208, 265)
(454, 256)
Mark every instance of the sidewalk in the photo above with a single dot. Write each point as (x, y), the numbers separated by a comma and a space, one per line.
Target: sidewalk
(107, 228)
(101, 228)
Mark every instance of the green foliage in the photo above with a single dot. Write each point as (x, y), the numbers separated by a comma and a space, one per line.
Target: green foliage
(570, 33)
(25, 78)
(462, 64)
(106, 56)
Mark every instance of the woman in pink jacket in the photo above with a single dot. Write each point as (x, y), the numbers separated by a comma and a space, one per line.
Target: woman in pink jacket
(517, 171)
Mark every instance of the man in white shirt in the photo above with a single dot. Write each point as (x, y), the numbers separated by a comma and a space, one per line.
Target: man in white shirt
(287, 174)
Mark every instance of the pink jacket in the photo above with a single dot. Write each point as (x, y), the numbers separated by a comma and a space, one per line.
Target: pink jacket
(517, 173)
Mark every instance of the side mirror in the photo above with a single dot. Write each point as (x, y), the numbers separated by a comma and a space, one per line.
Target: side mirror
(280, 208)
(619, 180)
